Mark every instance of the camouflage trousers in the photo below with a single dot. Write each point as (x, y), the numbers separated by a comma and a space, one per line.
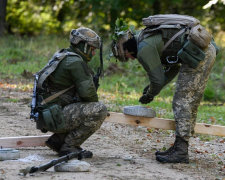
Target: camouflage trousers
(189, 91)
(82, 120)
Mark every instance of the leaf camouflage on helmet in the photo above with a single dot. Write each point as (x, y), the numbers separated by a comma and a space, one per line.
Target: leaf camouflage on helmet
(122, 33)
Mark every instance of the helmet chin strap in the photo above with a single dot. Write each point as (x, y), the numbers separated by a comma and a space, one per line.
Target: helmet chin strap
(83, 54)
(85, 48)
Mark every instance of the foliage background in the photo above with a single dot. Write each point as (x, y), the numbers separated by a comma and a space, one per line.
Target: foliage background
(57, 16)
(38, 28)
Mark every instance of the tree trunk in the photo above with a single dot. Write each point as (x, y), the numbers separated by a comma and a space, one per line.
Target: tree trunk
(3, 4)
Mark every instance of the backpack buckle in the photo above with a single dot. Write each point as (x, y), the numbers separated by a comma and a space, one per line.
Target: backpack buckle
(170, 59)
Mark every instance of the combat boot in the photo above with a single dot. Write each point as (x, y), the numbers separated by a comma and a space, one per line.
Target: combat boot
(177, 154)
(166, 151)
(56, 141)
(67, 149)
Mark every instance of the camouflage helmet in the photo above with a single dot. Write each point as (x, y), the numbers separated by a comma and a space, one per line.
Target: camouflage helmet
(86, 35)
(117, 46)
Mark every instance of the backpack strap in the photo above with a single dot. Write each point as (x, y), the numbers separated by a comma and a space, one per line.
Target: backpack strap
(149, 31)
(54, 96)
(173, 38)
(52, 65)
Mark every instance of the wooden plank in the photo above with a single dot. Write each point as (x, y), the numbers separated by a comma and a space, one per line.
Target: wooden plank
(168, 124)
(141, 121)
(23, 141)
(161, 123)
(209, 129)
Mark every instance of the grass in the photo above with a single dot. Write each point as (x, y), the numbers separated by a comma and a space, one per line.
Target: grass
(122, 84)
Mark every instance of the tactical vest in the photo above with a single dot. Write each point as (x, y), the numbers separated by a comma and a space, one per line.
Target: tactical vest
(52, 65)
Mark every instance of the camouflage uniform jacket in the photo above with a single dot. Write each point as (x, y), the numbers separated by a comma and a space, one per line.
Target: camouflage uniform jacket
(149, 55)
(72, 70)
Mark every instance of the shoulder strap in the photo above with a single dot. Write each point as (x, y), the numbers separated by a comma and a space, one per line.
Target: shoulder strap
(52, 65)
(172, 39)
(54, 96)
(148, 31)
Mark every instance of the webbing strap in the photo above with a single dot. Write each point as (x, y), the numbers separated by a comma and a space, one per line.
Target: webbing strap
(54, 96)
(47, 73)
(173, 38)
(53, 65)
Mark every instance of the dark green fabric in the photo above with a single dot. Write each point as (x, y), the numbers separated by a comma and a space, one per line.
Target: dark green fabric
(149, 53)
(172, 72)
(52, 118)
(48, 122)
(80, 46)
(188, 59)
(73, 71)
(175, 45)
(191, 54)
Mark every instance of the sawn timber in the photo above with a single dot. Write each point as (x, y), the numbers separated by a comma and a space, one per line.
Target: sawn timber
(160, 123)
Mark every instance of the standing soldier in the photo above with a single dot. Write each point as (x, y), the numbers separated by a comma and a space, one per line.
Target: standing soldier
(171, 45)
(66, 95)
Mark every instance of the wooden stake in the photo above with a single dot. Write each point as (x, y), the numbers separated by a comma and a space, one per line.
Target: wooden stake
(168, 124)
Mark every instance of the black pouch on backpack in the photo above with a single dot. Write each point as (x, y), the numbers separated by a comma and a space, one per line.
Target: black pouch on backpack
(191, 54)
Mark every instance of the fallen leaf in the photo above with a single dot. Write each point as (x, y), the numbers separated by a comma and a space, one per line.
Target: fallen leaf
(149, 130)
(198, 151)
(212, 119)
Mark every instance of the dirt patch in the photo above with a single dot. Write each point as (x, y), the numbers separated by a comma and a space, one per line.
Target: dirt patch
(120, 151)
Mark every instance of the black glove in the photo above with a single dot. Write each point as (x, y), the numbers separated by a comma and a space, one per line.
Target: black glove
(145, 89)
(145, 99)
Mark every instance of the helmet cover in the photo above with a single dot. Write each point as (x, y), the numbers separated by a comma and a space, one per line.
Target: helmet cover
(117, 46)
(85, 35)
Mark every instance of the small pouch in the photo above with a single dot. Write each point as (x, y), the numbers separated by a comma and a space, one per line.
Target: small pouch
(187, 58)
(49, 123)
(191, 54)
(53, 118)
(194, 51)
(200, 36)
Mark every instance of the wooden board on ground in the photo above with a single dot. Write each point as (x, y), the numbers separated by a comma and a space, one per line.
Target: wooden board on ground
(23, 141)
(160, 123)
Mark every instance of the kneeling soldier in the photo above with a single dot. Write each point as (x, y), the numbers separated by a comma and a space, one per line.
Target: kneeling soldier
(67, 100)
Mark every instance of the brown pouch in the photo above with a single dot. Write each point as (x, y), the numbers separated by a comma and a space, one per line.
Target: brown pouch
(200, 36)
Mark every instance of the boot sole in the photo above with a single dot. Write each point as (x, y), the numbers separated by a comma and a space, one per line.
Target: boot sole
(86, 154)
(162, 160)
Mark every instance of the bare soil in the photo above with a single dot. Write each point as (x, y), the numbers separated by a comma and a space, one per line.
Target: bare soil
(120, 152)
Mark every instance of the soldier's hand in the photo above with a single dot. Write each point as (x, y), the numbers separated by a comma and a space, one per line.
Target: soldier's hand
(145, 99)
(145, 89)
